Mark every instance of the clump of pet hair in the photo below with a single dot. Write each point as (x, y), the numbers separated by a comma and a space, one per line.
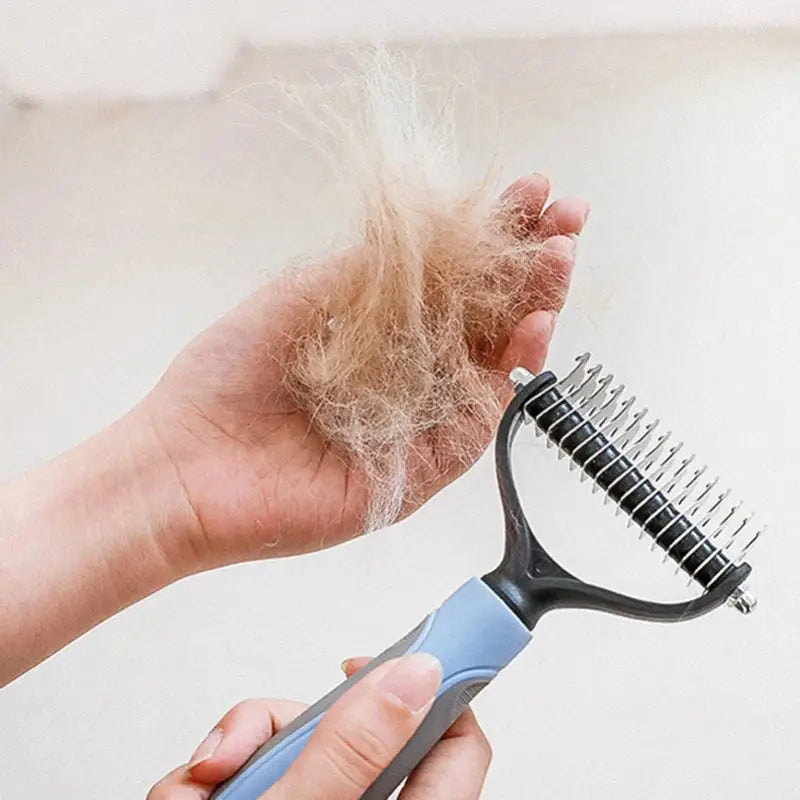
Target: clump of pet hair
(402, 344)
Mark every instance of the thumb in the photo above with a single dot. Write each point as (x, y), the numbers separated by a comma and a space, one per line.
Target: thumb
(362, 732)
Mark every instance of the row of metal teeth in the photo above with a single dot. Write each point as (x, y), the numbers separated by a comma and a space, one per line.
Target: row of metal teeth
(680, 480)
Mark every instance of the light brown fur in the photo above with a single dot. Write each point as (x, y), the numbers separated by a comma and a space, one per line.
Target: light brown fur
(404, 341)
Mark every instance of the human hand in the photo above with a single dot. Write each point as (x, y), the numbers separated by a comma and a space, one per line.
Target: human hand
(218, 464)
(255, 479)
(360, 734)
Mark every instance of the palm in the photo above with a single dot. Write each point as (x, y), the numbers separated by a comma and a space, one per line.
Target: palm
(258, 477)
(260, 480)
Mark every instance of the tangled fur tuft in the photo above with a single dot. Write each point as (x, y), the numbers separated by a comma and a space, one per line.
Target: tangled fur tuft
(404, 341)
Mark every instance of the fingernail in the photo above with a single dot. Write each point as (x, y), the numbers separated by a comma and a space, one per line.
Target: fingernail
(586, 214)
(553, 318)
(206, 748)
(346, 666)
(414, 680)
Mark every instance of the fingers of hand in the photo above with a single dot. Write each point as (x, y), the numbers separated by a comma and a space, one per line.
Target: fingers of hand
(567, 215)
(363, 731)
(523, 202)
(352, 665)
(555, 227)
(556, 261)
(238, 735)
(455, 769)
(528, 344)
(372, 727)
(179, 786)
(232, 741)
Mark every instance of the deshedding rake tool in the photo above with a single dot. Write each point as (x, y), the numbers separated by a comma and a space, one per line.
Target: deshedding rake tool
(488, 621)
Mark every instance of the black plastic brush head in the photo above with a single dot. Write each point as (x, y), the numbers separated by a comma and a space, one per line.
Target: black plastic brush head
(664, 495)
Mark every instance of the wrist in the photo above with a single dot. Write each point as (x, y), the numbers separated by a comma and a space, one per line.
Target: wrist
(163, 520)
(82, 538)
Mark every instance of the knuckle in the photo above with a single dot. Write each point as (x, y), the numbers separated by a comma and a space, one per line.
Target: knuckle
(486, 749)
(158, 792)
(241, 707)
(358, 755)
(482, 746)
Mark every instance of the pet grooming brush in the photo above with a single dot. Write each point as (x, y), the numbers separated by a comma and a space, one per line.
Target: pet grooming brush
(488, 621)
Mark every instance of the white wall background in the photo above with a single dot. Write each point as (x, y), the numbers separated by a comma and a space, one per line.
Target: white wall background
(148, 47)
(127, 227)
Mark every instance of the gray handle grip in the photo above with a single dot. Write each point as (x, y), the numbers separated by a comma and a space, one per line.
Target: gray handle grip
(473, 634)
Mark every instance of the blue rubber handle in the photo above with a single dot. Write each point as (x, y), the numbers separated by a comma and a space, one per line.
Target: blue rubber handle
(473, 634)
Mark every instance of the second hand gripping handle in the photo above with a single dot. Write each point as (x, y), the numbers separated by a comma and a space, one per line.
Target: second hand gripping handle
(473, 634)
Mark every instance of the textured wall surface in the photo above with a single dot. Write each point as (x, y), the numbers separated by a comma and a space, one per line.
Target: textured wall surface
(125, 228)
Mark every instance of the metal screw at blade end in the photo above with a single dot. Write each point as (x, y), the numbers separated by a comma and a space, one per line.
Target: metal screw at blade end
(742, 600)
(519, 377)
